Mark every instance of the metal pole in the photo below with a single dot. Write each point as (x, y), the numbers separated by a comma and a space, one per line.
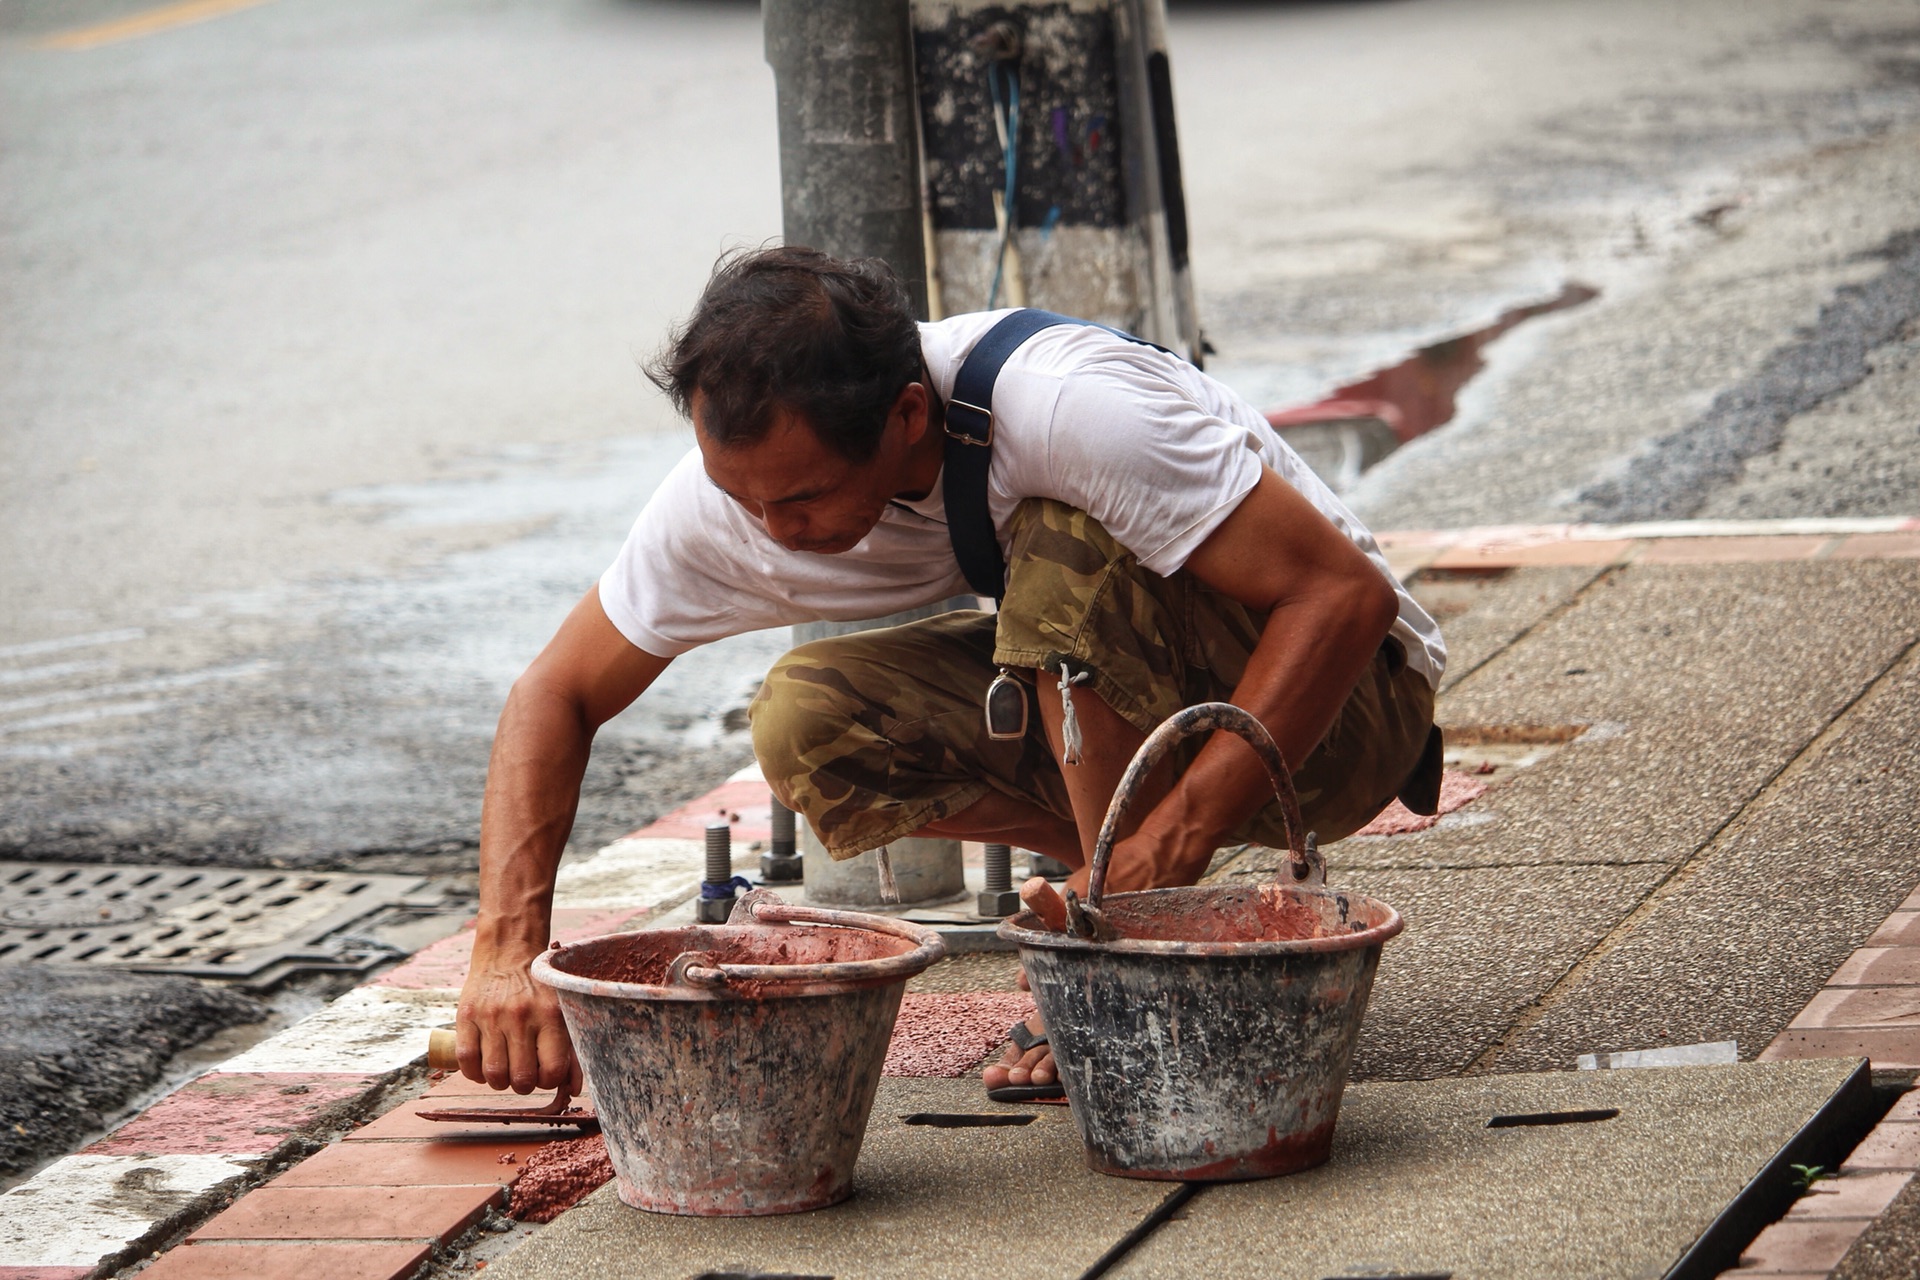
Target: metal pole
(850, 186)
(849, 145)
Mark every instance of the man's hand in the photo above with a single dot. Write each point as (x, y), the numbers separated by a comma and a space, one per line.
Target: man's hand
(509, 1030)
(510, 1033)
(1142, 861)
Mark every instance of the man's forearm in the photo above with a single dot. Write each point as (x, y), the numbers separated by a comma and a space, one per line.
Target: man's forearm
(1308, 659)
(533, 790)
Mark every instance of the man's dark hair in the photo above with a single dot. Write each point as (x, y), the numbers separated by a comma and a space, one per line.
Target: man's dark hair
(831, 340)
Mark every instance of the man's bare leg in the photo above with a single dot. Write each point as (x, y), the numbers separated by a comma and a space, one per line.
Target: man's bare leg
(1108, 744)
(996, 818)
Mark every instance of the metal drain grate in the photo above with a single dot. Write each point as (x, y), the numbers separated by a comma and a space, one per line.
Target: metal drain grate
(211, 922)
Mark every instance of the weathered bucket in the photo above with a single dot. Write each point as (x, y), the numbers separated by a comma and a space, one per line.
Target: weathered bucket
(1204, 1034)
(733, 1066)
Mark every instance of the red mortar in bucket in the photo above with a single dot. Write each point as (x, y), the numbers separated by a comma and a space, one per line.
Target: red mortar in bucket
(733, 1066)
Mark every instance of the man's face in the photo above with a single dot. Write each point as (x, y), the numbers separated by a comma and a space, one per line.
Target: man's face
(808, 497)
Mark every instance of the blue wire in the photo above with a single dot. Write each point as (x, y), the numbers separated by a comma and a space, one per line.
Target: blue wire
(994, 70)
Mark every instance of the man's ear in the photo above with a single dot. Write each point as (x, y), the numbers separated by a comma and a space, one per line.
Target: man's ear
(913, 405)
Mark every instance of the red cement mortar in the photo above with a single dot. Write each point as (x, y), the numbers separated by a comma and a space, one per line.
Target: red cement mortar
(1456, 791)
(559, 1176)
(945, 1034)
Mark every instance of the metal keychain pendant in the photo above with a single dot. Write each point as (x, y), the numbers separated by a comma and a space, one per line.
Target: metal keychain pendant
(1006, 708)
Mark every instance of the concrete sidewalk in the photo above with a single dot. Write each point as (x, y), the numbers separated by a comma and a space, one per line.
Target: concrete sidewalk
(1699, 826)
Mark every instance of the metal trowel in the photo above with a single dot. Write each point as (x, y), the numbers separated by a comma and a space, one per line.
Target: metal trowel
(555, 1112)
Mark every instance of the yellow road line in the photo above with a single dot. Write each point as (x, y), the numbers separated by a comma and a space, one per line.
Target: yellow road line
(165, 18)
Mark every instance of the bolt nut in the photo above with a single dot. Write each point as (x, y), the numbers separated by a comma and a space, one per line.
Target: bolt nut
(999, 904)
(781, 869)
(713, 910)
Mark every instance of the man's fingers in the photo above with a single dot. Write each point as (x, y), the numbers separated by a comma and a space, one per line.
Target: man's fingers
(495, 1058)
(523, 1058)
(466, 1041)
(557, 1065)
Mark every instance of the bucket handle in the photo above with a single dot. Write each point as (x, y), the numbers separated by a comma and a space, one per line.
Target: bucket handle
(1303, 860)
(696, 968)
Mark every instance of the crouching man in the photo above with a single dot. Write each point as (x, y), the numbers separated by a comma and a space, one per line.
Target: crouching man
(1152, 543)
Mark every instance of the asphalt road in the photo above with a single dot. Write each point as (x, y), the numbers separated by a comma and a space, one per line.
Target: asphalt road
(318, 388)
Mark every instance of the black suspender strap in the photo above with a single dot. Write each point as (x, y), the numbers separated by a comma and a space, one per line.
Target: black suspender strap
(969, 448)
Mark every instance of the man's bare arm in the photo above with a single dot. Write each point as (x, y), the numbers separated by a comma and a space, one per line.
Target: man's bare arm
(1329, 609)
(510, 1032)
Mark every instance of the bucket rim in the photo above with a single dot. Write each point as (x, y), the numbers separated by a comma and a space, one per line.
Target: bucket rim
(1015, 929)
(692, 976)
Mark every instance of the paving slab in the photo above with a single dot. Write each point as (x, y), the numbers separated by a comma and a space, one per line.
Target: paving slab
(1482, 613)
(1703, 681)
(1012, 1202)
(1419, 1183)
(1745, 939)
(1481, 945)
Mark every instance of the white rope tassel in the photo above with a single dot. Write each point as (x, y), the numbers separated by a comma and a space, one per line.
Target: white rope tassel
(1069, 722)
(889, 887)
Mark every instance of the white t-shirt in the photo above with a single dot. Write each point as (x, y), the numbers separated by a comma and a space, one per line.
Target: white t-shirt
(1148, 445)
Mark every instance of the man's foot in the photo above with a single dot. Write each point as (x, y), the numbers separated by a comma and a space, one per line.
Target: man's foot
(1027, 1064)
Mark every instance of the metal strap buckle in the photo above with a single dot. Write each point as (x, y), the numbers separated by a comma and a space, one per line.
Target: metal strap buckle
(962, 436)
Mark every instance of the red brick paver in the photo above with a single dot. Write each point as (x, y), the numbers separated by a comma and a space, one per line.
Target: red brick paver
(1856, 1006)
(1798, 1246)
(412, 1164)
(1897, 1047)
(443, 965)
(1889, 1146)
(1901, 929)
(1729, 550)
(352, 1213)
(1878, 546)
(746, 804)
(1862, 1194)
(1879, 967)
(1516, 555)
(233, 1113)
(302, 1261)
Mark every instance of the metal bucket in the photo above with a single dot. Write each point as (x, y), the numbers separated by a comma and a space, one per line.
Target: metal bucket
(733, 1066)
(1204, 1034)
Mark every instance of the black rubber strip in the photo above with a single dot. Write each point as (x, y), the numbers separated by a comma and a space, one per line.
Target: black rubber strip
(1146, 1227)
(1553, 1117)
(967, 1119)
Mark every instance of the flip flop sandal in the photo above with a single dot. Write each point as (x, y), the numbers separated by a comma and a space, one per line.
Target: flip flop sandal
(1027, 1041)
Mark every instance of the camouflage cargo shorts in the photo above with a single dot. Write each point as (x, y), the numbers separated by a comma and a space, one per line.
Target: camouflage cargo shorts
(871, 736)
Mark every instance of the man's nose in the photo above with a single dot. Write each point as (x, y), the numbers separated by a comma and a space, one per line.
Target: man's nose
(784, 526)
